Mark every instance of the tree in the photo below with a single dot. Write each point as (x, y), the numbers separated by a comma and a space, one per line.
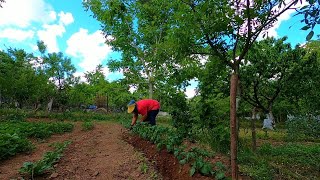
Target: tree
(223, 29)
(267, 72)
(19, 80)
(311, 14)
(58, 69)
(137, 31)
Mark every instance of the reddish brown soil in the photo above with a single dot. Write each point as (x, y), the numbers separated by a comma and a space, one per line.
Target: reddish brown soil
(166, 163)
(96, 154)
(106, 152)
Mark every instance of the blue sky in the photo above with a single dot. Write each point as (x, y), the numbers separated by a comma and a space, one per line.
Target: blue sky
(65, 26)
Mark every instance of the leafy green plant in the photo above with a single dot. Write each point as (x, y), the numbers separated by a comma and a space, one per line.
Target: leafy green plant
(144, 167)
(171, 140)
(87, 125)
(11, 144)
(46, 163)
(13, 135)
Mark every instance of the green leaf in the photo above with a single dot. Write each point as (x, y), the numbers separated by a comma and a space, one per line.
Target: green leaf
(310, 35)
(183, 161)
(220, 175)
(206, 169)
(305, 27)
(192, 171)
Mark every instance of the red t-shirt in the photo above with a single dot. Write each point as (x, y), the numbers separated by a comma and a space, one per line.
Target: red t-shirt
(146, 105)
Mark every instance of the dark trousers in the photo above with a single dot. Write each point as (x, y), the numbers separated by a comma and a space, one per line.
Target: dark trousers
(151, 116)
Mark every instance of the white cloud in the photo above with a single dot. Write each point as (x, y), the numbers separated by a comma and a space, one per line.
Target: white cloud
(90, 48)
(50, 32)
(49, 36)
(65, 18)
(272, 32)
(22, 13)
(81, 75)
(191, 89)
(16, 34)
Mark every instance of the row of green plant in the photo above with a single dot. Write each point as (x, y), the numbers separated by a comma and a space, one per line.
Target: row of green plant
(14, 135)
(32, 169)
(172, 141)
(20, 115)
(288, 161)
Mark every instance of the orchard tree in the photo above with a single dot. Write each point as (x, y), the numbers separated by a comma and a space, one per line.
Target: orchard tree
(136, 30)
(303, 90)
(266, 73)
(59, 71)
(223, 29)
(19, 80)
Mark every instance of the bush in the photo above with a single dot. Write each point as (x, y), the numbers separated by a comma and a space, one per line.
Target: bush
(302, 128)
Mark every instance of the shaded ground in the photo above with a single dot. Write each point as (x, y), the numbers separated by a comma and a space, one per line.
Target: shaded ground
(96, 154)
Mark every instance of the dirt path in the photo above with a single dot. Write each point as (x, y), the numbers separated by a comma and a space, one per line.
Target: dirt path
(97, 154)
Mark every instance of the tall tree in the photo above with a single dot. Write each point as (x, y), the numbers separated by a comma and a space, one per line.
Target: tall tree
(224, 29)
(58, 69)
(137, 31)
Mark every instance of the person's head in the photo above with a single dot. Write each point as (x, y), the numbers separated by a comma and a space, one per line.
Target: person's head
(131, 106)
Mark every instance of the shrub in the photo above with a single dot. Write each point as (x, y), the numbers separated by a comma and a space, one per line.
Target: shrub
(302, 128)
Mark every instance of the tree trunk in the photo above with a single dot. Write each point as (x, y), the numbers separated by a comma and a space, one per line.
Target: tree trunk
(49, 108)
(108, 103)
(270, 115)
(150, 89)
(253, 130)
(233, 125)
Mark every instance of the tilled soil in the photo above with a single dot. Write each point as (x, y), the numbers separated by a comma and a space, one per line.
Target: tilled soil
(166, 163)
(96, 154)
(108, 151)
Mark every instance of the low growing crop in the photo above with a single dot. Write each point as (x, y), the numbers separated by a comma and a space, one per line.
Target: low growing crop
(14, 135)
(171, 140)
(46, 163)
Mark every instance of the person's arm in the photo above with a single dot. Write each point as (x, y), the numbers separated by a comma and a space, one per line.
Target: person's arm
(143, 118)
(134, 119)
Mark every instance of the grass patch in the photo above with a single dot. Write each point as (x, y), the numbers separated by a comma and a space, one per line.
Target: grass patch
(289, 161)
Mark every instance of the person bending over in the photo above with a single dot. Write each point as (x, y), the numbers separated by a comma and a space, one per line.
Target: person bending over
(148, 108)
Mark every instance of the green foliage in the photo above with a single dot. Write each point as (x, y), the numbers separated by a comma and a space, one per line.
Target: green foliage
(179, 110)
(13, 135)
(300, 128)
(254, 166)
(289, 161)
(12, 144)
(46, 163)
(12, 115)
(87, 125)
(171, 140)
